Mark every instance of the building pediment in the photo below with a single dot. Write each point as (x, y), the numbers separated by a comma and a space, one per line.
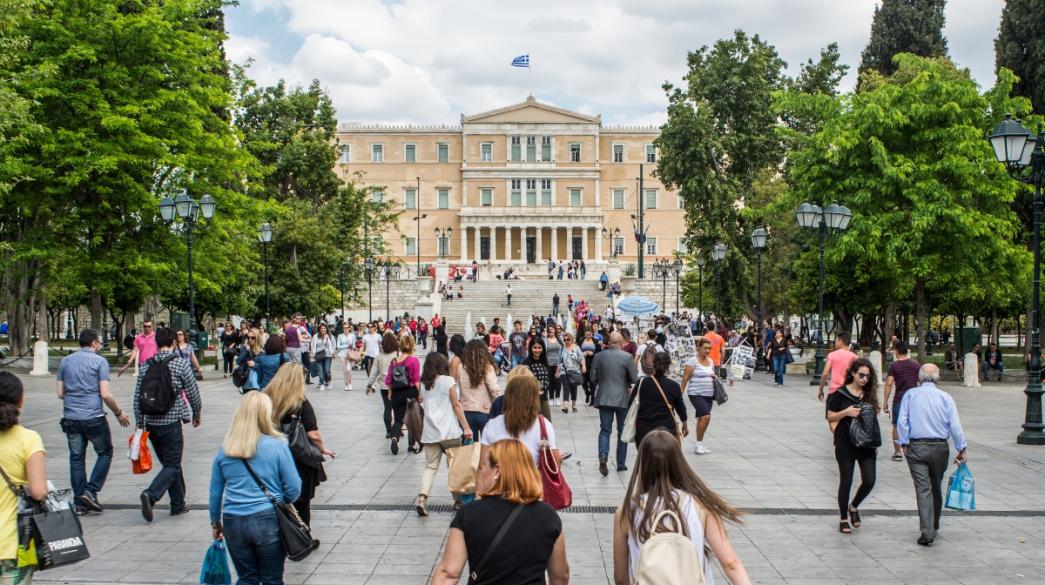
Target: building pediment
(530, 111)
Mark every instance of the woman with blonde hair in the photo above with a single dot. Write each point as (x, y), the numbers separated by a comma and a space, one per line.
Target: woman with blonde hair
(239, 509)
(289, 405)
(477, 379)
(522, 418)
(250, 348)
(664, 481)
(510, 491)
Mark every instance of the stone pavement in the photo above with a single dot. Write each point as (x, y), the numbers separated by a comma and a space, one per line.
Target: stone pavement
(771, 454)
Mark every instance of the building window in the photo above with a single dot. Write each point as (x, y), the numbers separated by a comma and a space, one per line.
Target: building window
(486, 151)
(546, 192)
(531, 192)
(546, 148)
(377, 195)
(444, 198)
(410, 153)
(618, 153)
(575, 152)
(682, 247)
(516, 196)
(410, 246)
(681, 201)
(575, 197)
(651, 246)
(344, 154)
(377, 153)
(444, 246)
(410, 198)
(651, 198)
(486, 196)
(444, 153)
(618, 198)
(531, 148)
(516, 146)
(651, 153)
(618, 246)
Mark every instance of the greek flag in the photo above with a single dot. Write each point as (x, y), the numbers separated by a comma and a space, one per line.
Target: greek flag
(521, 61)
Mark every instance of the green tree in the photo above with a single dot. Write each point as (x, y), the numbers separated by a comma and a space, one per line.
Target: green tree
(1020, 47)
(931, 206)
(904, 26)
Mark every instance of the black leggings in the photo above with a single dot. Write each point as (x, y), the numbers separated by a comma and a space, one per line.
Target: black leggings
(554, 384)
(569, 389)
(399, 399)
(845, 482)
(230, 361)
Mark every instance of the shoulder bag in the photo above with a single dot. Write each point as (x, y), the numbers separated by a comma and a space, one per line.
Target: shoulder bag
(720, 391)
(627, 434)
(557, 493)
(864, 431)
(483, 562)
(302, 448)
(293, 532)
(49, 533)
(674, 415)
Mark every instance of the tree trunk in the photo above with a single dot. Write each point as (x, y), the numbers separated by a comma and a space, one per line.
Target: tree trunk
(42, 322)
(920, 312)
(96, 311)
(889, 325)
(867, 330)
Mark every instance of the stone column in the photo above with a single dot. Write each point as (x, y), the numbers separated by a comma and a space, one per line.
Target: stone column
(508, 243)
(555, 244)
(464, 243)
(584, 245)
(539, 234)
(493, 243)
(475, 245)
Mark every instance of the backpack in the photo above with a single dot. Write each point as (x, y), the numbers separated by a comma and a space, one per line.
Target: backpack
(400, 376)
(667, 557)
(646, 361)
(157, 389)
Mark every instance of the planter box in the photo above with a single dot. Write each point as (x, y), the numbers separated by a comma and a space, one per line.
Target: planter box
(627, 284)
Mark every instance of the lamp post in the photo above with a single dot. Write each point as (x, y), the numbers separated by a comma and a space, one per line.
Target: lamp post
(369, 265)
(661, 269)
(611, 237)
(189, 210)
(442, 240)
(417, 243)
(341, 285)
(265, 237)
(835, 218)
(718, 254)
(758, 242)
(677, 268)
(700, 288)
(390, 271)
(1024, 157)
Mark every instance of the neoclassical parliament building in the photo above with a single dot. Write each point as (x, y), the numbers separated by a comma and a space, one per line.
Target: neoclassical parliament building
(516, 186)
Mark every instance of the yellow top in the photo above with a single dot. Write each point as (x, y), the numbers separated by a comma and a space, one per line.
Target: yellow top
(16, 445)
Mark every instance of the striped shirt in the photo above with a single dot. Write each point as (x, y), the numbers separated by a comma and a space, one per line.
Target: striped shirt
(184, 387)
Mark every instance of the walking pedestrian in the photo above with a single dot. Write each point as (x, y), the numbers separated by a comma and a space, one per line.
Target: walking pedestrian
(186, 350)
(510, 491)
(322, 349)
(230, 342)
(289, 404)
(838, 362)
(345, 344)
(613, 371)
(508, 294)
(477, 380)
(267, 364)
(144, 347)
(292, 335)
(441, 339)
(660, 401)
(553, 349)
(902, 375)
(83, 386)
(422, 332)
(517, 343)
(376, 380)
(572, 370)
(844, 405)
(537, 362)
(777, 350)
(589, 347)
(698, 380)
(240, 511)
(371, 346)
(249, 350)
(444, 426)
(402, 380)
(521, 419)
(665, 482)
(555, 304)
(456, 351)
(22, 454)
(928, 416)
(165, 432)
(718, 345)
(645, 367)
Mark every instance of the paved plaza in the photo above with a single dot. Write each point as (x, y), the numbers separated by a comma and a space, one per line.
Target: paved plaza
(771, 454)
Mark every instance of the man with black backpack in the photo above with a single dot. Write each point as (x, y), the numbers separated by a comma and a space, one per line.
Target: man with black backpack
(160, 409)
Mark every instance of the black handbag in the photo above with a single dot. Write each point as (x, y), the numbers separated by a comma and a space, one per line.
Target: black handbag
(239, 375)
(864, 430)
(720, 395)
(49, 533)
(295, 534)
(301, 447)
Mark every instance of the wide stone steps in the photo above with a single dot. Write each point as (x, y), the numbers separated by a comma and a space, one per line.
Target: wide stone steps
(485, 300)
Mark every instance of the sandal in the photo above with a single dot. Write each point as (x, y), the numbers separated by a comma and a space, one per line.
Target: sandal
(897, 457)
(565, 409)
(574, 409)
(855, 517)
(844, 528)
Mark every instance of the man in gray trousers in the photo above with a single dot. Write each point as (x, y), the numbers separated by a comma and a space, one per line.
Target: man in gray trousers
(613, 374)
(928, 416)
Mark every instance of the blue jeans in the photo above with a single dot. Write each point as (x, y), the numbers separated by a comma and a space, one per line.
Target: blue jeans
(168, 444)
(517, 359)
(79, 433)
(779, 367)
(323, 369)
(477, 420)
(987, 370)
(256, 550)
(606, 415)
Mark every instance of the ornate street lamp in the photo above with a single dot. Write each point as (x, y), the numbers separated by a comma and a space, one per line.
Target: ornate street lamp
(700, 289)
(661, 269)
(718, 254)
(390, 271)
(442, 236)
(369, 265)
(836, 218)
(189, 211)
(677, 268)
(1024, 157)
(265, 237)
(611, 237)
(758, 242)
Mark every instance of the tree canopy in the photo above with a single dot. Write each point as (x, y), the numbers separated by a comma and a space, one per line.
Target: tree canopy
(1020, 47)
(904, 26)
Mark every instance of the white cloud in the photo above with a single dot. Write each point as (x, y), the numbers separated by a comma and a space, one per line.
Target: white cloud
(425, 61)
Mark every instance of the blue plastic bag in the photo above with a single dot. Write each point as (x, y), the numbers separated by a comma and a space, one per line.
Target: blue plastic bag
(215, 569)
(961, 490)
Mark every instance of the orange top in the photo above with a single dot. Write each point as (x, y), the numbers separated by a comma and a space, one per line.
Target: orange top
(717, 343)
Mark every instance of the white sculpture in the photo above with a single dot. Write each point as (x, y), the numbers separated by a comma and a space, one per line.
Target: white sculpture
(972, 370)
(39, 359)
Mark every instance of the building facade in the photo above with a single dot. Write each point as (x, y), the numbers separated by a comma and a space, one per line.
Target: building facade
(516, 186)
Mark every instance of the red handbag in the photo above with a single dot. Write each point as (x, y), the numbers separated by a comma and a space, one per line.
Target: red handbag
(557, 493)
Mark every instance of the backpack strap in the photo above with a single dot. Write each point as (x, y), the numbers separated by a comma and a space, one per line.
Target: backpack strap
(484, 558)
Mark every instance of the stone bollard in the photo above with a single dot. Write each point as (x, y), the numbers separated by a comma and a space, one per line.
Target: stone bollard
(972, 370)
(39, 359)
(875, 357)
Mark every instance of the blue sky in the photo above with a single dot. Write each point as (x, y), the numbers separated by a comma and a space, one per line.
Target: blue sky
(429, 61)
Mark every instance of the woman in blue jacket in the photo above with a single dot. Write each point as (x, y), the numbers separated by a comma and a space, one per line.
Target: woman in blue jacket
(239, 509)
(268, 363)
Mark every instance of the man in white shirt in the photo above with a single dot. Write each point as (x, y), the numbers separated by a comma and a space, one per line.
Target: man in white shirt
(508, 294)
(651, 343)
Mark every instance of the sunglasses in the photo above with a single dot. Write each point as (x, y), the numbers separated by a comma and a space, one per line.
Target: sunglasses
(252, 338)
(147, 326)
(863, 376)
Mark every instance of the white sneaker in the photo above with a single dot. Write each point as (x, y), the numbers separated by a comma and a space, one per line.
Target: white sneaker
(348, 388)
(700, 450)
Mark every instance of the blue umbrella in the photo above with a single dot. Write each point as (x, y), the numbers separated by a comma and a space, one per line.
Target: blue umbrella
(637, 307)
